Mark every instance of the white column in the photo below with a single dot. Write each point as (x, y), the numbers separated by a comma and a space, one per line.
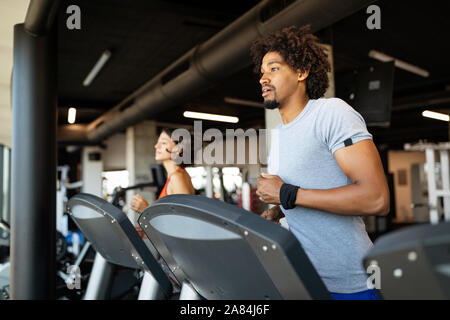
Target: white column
(140, 154)
(445, 182)
(330, 93)
(432, 197)
(273, 119)
(92, 168)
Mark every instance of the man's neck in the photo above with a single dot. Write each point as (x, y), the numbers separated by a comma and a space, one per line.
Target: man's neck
(290, 110)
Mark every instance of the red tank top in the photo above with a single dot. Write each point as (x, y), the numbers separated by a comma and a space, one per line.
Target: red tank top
(161, 195)
(164, 190)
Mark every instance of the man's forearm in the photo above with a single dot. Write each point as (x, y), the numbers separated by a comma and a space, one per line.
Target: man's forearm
(347, 200)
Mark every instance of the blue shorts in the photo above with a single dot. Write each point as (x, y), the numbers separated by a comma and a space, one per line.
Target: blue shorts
(363, 295)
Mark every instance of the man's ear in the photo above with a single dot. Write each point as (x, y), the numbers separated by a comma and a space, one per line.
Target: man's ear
(302, 75)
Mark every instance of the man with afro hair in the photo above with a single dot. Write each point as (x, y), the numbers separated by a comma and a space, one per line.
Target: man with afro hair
(325, 172)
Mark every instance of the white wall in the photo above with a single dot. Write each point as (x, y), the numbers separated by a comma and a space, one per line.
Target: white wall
(114, 155)
(11, 13)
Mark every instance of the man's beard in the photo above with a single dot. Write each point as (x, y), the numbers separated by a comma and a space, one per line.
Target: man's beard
(271, 104)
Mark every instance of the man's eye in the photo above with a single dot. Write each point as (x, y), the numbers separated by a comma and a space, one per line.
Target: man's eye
(274, 69)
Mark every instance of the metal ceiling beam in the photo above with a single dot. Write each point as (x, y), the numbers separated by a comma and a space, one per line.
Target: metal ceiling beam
(72, 133)
(423, 101)
(40, 16)
(218, 58)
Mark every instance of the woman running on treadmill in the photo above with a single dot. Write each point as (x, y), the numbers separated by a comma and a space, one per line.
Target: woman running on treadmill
(178, 180)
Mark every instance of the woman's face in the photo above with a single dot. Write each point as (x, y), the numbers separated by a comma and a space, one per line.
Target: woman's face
(164, 147)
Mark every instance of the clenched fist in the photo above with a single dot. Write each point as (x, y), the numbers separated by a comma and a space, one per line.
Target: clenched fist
(273, 214)
(268, 189)
(138, 203)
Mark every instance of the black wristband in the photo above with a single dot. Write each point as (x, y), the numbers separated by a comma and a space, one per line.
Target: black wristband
(288, 195)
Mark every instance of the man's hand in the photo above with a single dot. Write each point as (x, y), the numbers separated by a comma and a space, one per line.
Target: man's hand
(273, 214)
(138, 203)
(268, 189)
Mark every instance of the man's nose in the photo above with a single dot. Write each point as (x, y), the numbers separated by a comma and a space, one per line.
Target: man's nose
(264, 80)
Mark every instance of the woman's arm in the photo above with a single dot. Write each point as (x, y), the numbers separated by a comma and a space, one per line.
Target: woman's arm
(138, 203)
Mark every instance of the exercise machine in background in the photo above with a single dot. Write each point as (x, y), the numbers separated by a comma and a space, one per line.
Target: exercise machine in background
(413, 263)
(115, 238)
(119, 281)
(5, 219)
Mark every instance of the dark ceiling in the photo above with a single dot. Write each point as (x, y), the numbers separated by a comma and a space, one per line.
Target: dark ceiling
(146, 36)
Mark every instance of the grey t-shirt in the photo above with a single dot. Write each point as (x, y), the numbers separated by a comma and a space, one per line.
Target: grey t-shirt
(301, 154)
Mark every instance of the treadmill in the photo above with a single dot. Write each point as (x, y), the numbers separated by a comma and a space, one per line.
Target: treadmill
(414, 263)
(219, 251)
(117, 242)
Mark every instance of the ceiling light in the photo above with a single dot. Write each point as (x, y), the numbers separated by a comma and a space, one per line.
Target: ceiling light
(209, 116)
(398, 63)
(436, 115)
(96, 69)
(72, 115)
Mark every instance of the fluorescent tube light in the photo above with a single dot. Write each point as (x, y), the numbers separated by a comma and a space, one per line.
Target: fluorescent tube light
(209, 116)
(398, 63)
(96, 69)
(436, 115)
(72, 115)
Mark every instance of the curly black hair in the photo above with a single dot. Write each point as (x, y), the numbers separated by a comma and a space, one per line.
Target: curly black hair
(301, 50)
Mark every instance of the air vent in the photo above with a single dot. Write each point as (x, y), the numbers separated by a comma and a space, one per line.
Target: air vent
(272, 8)
(204, 23)
(175, 72)
(99, 124)
(126, 105)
